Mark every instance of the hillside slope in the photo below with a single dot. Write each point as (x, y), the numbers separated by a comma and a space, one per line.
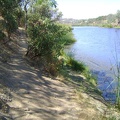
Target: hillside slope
(32, 95)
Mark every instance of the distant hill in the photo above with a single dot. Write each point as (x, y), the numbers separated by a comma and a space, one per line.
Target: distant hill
(110, 20)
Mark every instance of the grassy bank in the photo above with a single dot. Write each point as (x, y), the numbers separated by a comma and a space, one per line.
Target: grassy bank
(70, 65)
(78, 75)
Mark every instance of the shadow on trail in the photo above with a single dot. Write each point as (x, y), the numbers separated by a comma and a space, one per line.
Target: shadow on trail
(34, 95)
(83, 84)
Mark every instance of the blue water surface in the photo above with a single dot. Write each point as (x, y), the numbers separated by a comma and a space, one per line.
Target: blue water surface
(99, 48)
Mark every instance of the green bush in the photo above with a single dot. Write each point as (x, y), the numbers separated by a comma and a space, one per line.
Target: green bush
(46, 40)
(7, 8)
(46, 37)
(11, 24)
(107, 25)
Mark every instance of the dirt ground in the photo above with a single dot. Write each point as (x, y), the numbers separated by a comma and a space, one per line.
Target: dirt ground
(34, 96)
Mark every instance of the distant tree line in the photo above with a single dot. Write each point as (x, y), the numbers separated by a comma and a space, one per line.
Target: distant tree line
(111, 20)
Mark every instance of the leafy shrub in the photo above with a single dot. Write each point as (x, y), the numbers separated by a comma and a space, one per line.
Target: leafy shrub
(11, 24)
(46, 40)
(107, 25)
(6, 11)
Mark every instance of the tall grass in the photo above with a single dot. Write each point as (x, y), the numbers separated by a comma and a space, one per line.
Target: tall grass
(117, 76)
(116, 73)
(73, 64)
(78, 67)
(69, 38)
(117, 79)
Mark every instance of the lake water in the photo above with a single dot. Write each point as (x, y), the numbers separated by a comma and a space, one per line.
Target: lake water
(99, 48)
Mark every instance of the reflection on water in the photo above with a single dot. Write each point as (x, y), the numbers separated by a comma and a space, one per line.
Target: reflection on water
(97, 48)
(106, 84)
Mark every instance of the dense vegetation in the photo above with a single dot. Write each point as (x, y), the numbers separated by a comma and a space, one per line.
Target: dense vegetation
(47, 37)
(7, 12)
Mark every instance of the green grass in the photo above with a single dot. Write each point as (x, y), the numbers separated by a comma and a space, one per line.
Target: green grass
(78, 67)
(78, 74)
(68, 38)
(107, 25)
(75, 65)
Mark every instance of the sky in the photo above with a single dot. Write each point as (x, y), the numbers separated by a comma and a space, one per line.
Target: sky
(85, 9)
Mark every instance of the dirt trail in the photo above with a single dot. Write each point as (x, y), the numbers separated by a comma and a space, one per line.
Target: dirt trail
(37, 97)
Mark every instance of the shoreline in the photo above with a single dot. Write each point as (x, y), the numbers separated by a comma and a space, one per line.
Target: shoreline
(104, 77)
(95, 26)
(101, 71)
(37, 96)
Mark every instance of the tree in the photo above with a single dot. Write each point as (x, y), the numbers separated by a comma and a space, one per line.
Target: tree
(24, 4)
(111, 18)
(118, 15)
(45, 9)
(19, 14)
(45, 34)
(7, 8)
(29, 5)
(11, 24)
